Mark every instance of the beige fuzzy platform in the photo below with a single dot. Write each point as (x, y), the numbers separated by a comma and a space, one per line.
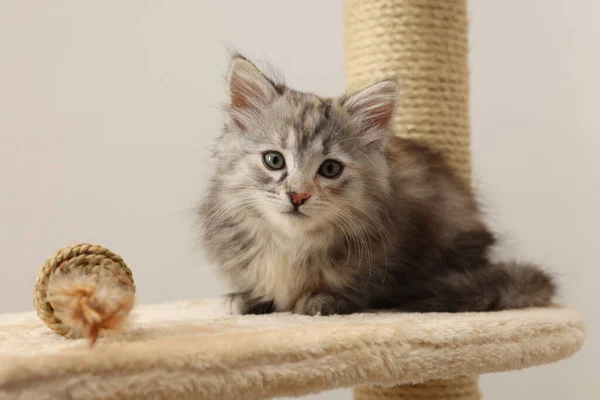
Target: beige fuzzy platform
(198, 350)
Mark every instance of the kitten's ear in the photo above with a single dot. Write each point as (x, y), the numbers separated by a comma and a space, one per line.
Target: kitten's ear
(248, 89)
(373, 106)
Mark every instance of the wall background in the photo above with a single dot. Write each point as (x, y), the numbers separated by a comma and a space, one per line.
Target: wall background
(108, 109)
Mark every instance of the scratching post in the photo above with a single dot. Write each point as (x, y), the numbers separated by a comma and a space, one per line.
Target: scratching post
(462, 388)
(423, 44)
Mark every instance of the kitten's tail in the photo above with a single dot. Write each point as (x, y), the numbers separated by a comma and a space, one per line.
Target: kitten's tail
(500, 286)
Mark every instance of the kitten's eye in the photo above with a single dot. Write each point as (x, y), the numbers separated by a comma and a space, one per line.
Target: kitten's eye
(330, 169)
(273, 160)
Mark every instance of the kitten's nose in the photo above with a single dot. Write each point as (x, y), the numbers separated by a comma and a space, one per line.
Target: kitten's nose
(298, 199)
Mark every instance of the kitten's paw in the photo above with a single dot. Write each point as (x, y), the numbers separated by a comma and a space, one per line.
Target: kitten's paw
(242, 303)
(323, 303)
(236, 303)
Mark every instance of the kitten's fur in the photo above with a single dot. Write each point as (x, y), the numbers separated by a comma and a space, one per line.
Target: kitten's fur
(396, 229)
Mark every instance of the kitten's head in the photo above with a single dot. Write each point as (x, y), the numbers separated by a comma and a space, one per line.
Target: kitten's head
(300, 161)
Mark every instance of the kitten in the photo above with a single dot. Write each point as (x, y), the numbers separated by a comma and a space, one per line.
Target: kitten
(316, 208)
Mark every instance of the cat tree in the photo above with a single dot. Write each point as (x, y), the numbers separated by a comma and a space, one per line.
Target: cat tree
(197, 350)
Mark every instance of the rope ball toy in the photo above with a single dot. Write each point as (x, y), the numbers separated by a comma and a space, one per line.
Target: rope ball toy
(83, 290)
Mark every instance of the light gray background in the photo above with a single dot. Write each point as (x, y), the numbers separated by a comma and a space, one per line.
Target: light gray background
(107, 111)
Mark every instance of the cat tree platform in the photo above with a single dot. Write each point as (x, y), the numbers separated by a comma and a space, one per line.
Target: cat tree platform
(198, 350)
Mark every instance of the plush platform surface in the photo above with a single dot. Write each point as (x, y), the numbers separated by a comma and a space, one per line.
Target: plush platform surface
(198, 350)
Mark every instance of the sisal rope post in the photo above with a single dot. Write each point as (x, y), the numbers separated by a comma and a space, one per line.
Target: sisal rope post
(462, 388)
(82, 290)
(423, 44)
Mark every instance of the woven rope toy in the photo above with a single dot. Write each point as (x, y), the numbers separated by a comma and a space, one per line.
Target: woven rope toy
(82, 290)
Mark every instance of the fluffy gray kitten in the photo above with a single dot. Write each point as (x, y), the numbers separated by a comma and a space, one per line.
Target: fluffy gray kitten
(316, 208)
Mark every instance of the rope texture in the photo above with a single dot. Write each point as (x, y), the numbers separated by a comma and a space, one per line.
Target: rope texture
(462, 388)
(423, 44)
(91, 260)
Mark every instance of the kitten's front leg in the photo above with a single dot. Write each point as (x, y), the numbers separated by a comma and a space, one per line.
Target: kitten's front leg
(325, 303)
(243, 303)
